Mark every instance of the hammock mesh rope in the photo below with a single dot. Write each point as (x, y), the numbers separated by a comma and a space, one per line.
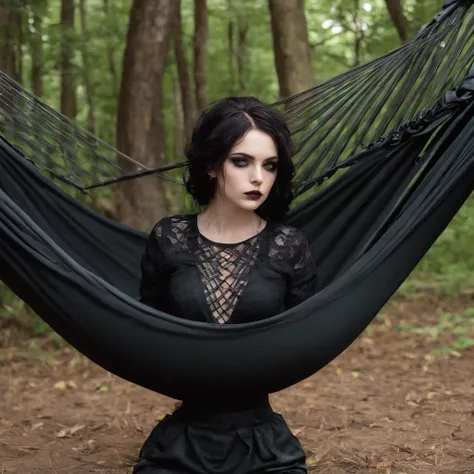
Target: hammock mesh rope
(331, 123)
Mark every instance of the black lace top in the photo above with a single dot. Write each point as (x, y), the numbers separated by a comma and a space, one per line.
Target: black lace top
(187, 275)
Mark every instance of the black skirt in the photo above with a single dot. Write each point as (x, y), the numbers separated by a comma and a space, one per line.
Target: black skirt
(197, 441)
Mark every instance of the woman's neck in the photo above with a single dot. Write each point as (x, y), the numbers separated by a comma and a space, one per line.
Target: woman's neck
(221, 224)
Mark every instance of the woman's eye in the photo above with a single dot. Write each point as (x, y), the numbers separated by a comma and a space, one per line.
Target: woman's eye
(272, 166)
(239, 161)
(242, 162)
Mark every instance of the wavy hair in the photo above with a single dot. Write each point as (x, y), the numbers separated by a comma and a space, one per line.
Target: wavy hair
(216, 132)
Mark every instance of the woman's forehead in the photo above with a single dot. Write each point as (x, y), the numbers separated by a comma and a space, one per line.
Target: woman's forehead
(256, 143)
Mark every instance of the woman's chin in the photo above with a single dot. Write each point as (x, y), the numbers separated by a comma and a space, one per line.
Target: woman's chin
(250, 205)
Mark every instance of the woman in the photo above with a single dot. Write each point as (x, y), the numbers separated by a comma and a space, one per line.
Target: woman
(232, 263)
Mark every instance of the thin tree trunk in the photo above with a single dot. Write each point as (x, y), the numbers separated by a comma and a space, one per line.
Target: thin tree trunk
(179, 139)
(230, 43)
(19, 21)
(186, 96)
(179, 119)
(36, 51)
(201, 35)
(10, 59)
(399, 20)
(291, 46)
(68, 86)
(241, 51)
(140, 129)
(10, 24)
(86, 68)
(359, 35)
(110, 56)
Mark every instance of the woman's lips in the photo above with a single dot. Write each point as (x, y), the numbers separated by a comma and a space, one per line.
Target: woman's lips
(254, 195)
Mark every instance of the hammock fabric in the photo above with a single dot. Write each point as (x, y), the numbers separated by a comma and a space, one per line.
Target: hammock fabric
(367, 228)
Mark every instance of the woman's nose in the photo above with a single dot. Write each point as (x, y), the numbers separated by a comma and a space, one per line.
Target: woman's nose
(257, 176)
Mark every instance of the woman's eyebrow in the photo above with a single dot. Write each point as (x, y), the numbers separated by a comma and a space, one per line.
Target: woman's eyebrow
(246, 155)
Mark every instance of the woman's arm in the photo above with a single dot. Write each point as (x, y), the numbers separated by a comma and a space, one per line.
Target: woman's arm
(302, 281)
(153, 283)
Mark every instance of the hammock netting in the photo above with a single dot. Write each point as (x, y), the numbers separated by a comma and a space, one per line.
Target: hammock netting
(400, 129)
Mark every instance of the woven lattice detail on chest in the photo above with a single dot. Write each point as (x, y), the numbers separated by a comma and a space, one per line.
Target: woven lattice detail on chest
(225, 271)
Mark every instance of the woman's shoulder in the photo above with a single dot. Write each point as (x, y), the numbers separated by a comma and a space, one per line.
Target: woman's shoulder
(283, 235)
(176, 222)
(173, 229)
(287, 245)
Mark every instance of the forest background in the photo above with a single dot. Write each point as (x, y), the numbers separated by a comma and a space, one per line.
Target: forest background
(138, 73)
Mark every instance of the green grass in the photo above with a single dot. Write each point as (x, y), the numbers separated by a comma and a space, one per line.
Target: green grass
(457, 327)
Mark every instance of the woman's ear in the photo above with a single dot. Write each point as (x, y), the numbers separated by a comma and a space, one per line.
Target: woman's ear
(211, 174)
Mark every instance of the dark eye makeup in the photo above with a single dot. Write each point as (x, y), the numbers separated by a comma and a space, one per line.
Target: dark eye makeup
(271, 165)
(242, 161)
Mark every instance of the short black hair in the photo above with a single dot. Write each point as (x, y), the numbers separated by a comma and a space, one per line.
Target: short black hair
(216, 132)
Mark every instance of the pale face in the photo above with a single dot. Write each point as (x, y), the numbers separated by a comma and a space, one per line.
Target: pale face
(250, 166)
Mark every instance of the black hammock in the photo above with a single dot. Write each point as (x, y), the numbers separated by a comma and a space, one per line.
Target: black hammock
(397, 138)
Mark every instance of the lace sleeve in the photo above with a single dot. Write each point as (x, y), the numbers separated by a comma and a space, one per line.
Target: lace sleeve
(152, 285)
(302, 283)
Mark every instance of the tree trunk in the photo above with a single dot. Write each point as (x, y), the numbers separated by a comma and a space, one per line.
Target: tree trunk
(179, 120)
(291, 46)
(399, 20)
(36, 51)
(358, 34)
(86, 68)
(10, 58)
(201, 35)
(231, 56)
(68, 87)
(19, 21)
(110, 56)
(140, 127)
(10, 27)
(186, 95)
(241, 50)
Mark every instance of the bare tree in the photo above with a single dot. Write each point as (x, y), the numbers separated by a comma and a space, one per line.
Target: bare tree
(140, 128)
(399, 20)
(186, 95)
(201, 35)
(291, 46)
(68, 86)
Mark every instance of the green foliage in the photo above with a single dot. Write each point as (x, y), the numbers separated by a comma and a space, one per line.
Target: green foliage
(457, 327)
(15, 311)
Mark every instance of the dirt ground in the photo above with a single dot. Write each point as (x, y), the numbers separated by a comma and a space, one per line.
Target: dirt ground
(386, 405)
